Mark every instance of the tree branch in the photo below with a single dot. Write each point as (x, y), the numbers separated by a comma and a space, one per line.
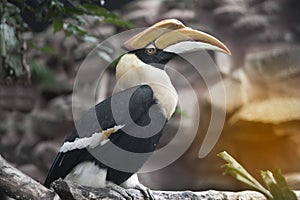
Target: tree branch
(71, 191)
(21, 187)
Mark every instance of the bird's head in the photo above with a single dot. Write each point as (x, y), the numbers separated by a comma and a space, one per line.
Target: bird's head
(164, 40)
(152, 48)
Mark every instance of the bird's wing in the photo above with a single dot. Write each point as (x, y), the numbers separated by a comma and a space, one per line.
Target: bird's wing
(110, 112)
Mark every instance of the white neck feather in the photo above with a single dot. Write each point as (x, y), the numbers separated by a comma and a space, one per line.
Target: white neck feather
(131, 71)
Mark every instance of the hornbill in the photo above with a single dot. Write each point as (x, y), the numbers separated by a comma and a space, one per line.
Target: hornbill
(147, 96)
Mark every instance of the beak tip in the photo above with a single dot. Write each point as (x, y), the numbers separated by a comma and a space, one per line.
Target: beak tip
(228, 52)
(225, 50)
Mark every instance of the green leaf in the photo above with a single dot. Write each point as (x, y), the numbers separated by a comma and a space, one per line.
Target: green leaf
(47, 49)
(73, 11)
(277, 185)
(109, 17)
(44, 77)
(51, 13)
(97, 10)
(44, 49)
(2, 44)
(42, 6)
(68, 33)
(81, 20)
(14, 62)
(59, 5)
(275, 182)
(237, 171)
(280, 180)
(57, 24)
(119, 22)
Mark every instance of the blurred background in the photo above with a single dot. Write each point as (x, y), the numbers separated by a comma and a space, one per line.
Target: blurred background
(261, 80)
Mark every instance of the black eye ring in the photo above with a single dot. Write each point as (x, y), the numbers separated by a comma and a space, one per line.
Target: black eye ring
(150, 51)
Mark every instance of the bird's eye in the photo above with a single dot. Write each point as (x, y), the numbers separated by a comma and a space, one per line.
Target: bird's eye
(150, 50)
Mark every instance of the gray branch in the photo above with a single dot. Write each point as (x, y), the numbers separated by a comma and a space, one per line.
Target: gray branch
(71, 191)
(21, 187)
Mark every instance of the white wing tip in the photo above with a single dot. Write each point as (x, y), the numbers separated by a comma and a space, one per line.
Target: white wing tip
(89, 142)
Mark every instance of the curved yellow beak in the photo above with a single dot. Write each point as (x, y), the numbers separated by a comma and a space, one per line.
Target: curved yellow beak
(172, 35)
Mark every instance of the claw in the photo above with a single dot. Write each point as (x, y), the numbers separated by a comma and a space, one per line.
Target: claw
(145, 191)
(122, 191)
(134, 183)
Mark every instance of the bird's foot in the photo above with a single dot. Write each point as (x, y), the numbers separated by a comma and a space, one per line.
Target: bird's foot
(122, 191)
(145, 191)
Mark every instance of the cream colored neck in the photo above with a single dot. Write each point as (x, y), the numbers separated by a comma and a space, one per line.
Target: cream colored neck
(131, 71)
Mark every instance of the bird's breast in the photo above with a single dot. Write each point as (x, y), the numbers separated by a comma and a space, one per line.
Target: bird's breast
(88, 174)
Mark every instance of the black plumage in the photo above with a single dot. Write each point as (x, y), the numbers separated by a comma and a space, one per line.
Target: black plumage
(110, 112)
